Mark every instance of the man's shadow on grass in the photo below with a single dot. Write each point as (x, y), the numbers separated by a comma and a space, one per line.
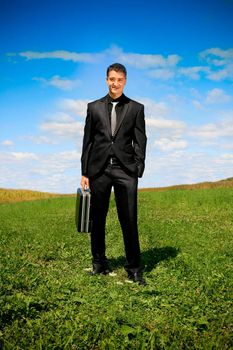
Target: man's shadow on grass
(150, 258)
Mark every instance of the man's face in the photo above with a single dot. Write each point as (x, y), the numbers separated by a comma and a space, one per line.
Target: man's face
(116, 82)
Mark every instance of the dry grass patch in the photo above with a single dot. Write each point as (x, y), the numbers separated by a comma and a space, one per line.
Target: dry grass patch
(9, 195)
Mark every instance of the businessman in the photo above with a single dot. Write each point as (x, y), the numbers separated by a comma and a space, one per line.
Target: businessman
(113, 155)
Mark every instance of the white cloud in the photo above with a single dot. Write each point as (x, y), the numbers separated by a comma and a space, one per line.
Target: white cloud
(76, 107)
(61, 117)
(165, 68)
(221, 63)
(56, 172)
(213, 96)
(19, 156)
(7, 143)
(62, 54)
(63, 125)
(218, 63)
(69, 155)
(165, 144)
(162, 73)
(160, 123)
(59, 172)
(59, 83)
(198, 104)
(149, 61)
(41, 139)
(223, 128)
(217, 96)
(184, 167)
(228, 145)
(227, 156)
(68, 129)
(155, 109)
(193, 73)
(217, 56)
(158, 120)
(141, 61)
(220, 75)
(135, 59)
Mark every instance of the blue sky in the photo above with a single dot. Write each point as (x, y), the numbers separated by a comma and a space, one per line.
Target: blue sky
(53, 59)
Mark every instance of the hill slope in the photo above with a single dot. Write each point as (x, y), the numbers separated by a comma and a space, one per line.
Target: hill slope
(9, 195)
(226, 183)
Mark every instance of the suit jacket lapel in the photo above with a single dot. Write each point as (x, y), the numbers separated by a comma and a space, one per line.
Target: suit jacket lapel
(106, 114)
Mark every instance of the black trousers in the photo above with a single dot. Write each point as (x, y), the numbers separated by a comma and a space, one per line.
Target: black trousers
(125, 190)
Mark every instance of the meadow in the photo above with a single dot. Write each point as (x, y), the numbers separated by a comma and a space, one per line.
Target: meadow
(48, 300)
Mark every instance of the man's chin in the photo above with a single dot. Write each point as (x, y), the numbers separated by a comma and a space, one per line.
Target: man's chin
(116, 93)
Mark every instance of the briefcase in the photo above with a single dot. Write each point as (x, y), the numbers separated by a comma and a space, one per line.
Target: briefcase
(83, 210)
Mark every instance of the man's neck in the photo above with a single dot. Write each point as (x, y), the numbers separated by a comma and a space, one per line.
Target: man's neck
(115, 97)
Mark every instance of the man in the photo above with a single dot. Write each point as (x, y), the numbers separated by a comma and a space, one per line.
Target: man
(113, 155)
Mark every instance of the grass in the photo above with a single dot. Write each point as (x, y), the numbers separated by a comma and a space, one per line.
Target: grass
(48, 301)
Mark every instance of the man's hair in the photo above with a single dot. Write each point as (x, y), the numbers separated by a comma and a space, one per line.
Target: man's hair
(117, 67)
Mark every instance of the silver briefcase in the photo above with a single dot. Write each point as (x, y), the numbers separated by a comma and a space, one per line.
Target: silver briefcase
(83, 210)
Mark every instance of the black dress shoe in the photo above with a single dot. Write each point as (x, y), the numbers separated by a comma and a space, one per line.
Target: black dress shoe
(99, 270)
(137, 277)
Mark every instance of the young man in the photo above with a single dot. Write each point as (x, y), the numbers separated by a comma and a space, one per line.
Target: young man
(113, 155)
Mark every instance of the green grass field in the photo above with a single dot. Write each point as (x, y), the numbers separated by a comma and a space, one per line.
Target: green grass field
(48, 301)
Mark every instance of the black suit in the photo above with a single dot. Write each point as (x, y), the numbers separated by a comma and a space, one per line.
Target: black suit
(127, 147)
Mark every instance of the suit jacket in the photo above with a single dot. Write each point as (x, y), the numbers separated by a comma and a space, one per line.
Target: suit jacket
(128, 143)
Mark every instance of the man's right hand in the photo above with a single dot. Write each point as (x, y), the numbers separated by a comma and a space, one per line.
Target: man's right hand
(84, 183)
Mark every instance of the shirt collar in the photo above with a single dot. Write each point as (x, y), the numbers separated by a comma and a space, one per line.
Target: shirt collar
(119, 99)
